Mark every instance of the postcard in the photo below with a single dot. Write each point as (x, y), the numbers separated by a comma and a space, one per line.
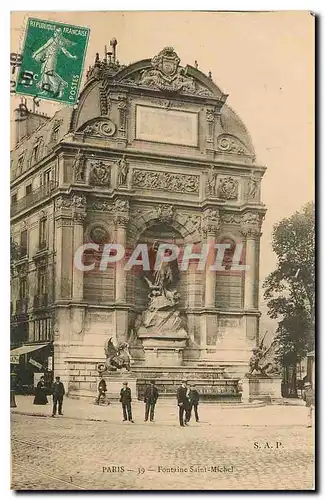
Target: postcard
(162, 236)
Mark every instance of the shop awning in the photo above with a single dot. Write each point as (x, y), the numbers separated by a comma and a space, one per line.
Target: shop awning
(15, 353)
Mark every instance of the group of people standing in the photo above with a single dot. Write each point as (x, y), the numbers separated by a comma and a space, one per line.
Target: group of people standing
(187, 400)
(57, 391)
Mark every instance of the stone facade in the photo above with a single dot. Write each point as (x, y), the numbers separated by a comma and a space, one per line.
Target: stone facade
(147, 154)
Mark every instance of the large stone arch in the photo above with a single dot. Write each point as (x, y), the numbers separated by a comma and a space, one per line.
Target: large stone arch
(139, 224)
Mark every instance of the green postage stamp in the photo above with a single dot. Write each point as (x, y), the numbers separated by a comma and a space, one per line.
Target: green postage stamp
(52, 60)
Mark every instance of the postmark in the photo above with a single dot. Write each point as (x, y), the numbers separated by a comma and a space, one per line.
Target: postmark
(52, 60)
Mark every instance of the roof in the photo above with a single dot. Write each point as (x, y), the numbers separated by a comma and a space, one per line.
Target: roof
(60, 121)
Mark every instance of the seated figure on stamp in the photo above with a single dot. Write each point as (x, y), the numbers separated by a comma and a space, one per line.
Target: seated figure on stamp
(161, 316)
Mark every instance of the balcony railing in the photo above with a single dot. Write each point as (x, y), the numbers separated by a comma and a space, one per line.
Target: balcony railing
(34, 197)
(40, 301)
(22, 306)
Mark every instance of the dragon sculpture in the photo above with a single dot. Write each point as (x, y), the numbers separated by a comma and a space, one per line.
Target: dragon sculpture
(117, 357)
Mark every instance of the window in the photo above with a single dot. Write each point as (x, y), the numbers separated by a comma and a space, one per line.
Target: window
(13, 198)
(28, 189)
(22, 288)
(20, 161)
(43, 233)
(35, 153)
(23, 243)
(55, 134)
(42, 281)
(47, 177)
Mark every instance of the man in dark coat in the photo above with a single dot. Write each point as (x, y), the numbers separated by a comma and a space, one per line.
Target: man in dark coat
(125, 399)
(183, 403)
(101, 390)
(58, 393)
(194, 402)
(150, 398)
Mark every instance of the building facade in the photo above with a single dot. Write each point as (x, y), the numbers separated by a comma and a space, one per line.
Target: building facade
(152, 152)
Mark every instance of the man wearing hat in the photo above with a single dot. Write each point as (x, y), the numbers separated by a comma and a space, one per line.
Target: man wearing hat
(125, 399)
(184, 404)
(58, 393)
(150, 398)
(309, 397)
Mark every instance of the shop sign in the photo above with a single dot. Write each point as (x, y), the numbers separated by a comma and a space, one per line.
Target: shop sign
(35, 363)
(50, 363)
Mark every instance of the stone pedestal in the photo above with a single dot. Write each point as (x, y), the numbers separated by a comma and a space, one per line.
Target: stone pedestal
(114, 383)
(261, 388)
(164, 350)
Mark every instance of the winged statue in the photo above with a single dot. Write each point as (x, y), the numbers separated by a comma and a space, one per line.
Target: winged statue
(262, 360)
(117, 357)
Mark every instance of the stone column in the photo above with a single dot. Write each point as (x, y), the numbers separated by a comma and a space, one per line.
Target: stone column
(121, 219)
(63, 247)
(190, 303)
(210, 276)
(250, 273)
(78, 240)
(210, 225)
(251, 231)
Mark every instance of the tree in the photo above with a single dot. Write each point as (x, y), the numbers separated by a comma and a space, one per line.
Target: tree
(290, 289)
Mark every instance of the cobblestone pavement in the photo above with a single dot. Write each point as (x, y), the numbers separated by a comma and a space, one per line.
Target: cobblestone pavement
(257, 448)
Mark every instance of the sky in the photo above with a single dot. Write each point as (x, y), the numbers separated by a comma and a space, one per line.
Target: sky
(263, 60)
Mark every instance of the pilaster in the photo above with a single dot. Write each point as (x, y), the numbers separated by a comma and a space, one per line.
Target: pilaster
(121, 219)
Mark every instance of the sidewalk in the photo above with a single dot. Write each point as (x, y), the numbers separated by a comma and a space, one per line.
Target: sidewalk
(166, 412)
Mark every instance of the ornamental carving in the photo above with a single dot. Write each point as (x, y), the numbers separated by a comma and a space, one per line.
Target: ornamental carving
(167, 103)
(210, 220)
(79, 167)
(251, 218)
(100, 174)
(230, 144)
(212, 181)
(166, 74)
(101, 206)
(252, 186)
(104, 99)
(100, 128)
(228, 188)
(165, 213)
(121, 205)
(121, 212)
(62, 202)
(191, 222)
(79, 217)
(178, 183)
(79, 201)
(203, 92)
(230, 218)
(99, 235)
(251, 224)
(123, 171)
(122, 106)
